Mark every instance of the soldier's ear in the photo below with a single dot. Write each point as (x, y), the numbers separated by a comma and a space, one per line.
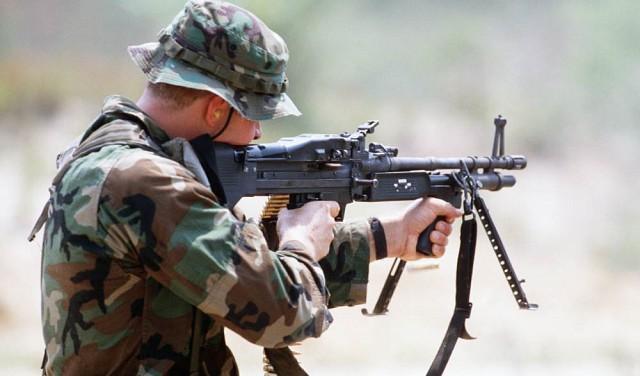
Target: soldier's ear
(214, 112)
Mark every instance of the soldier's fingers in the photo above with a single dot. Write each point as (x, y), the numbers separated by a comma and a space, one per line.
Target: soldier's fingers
(282, 212)
(438, 238)
(437, 250)
(444, 227)
(334, 208)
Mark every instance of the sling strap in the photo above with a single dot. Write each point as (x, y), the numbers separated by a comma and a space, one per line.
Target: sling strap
(462, 311)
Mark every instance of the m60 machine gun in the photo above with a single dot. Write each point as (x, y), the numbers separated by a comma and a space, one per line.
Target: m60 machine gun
(343, 168)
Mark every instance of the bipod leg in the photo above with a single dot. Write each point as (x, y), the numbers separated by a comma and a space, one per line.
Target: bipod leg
(390, 284)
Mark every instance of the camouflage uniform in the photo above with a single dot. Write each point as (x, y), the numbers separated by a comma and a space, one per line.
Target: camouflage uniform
(135, 241)
(136, 246)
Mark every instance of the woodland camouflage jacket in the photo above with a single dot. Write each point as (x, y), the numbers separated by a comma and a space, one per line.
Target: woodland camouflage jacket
(135, 240)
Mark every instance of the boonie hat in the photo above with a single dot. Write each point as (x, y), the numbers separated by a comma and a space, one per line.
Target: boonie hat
(226, 50)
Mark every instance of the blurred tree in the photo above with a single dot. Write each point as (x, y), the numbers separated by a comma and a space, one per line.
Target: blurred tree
(553, 65)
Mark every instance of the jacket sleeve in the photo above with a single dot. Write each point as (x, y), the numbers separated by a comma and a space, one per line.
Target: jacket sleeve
(346, 267)
(156, 214)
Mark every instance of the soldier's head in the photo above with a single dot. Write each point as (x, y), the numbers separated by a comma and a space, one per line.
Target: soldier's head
(219, 48)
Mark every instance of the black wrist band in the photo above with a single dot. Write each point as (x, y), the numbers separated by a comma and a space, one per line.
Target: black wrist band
(379, 238)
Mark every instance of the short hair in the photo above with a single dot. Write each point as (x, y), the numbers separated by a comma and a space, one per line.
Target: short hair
(175, 96)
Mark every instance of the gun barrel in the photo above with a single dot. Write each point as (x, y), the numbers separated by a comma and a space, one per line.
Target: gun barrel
(491, 181)
(507, 162)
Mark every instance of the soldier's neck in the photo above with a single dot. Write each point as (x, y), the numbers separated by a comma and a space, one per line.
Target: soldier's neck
(175, 122)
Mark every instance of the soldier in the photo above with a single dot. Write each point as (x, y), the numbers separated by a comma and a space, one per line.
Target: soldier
(142, 268)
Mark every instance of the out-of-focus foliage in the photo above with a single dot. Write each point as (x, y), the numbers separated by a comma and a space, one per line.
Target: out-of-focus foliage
(554, 65)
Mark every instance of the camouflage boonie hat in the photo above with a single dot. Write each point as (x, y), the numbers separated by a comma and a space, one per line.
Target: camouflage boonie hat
(224, 49)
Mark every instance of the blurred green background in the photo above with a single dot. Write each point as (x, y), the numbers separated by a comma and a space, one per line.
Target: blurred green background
(565, 73)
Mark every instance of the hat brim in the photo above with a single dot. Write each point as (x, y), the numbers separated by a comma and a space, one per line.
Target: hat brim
(158, 67)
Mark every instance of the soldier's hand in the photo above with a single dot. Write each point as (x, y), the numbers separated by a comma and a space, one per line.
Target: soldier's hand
(311, 224)
(402, 232)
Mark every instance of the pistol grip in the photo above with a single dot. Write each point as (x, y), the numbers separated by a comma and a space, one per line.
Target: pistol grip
(424, 243)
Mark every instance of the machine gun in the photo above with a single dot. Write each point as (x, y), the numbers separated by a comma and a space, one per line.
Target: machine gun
(342, 168)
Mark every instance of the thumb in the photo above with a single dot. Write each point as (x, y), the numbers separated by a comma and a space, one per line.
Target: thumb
(443, 208)
(334, 208)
